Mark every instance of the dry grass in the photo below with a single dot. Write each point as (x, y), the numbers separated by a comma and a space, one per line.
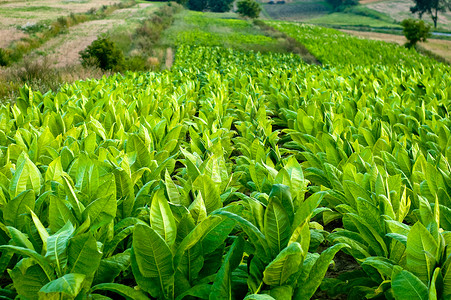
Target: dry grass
(13, 13)
(441, 48)
(7, 36)
(63, 50)
(400, 10)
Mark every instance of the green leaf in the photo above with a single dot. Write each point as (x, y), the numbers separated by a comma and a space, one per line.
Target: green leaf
(256, 237)
(201, 291)
(420, 243)
(41, 230)
(26, 176)
(59, 214)
(162, 219)
(154, 260)
(28, 278)
(446, 273)
(57, 247)
(277, 226)
(307, 288)
(383, 265)
(19, 238)
(125, 191)
(102, 210)
(83, 255)
(287, 263)
(209, 191)
(123, 290)
(111, 267)
(222, 286)
(406, 286)
(16, 209)
(259, 297)
(43, 263)
(306, 209)
(66, 287)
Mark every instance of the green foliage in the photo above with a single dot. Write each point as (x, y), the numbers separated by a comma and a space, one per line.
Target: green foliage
(341, 4)
(430, 7)
(4, 57)
(222, 178)
(415, 31)
(248, 8)
(104, 54)
(219, 6)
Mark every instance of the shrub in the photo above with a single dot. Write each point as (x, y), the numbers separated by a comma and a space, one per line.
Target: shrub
(104, 54)
(248, 8)
(4, 57)
(415, 31)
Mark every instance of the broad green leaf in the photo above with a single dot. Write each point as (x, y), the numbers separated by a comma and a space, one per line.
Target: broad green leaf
(124, 191)
(59, 214)
(109, 268)
(161, 218)
(28, 278)
(277, 226)
(209, 191)
(41, 230)
(123, 290)
(287, 263)
(16, 209)
(256, 237)
(258, 297)
(19, 238)
(43, 263)
(83, 255)
(420, 243)
(307, 288)
(26, 177)
(201, 291)
(406, 286)
(154, 260)
(222, 286)
(66, 287)
(57, 247)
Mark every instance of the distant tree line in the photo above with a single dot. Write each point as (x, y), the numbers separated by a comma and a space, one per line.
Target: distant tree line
(201, 5)
(212, 5)
(337, 4)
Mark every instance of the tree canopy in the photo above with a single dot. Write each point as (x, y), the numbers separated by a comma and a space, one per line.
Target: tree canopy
(213, 5)
(431, 7)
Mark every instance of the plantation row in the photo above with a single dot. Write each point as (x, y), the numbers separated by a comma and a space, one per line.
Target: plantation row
(234, 175)
(351, 50)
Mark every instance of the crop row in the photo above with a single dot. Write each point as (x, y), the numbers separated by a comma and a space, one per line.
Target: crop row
(350, 50)
(235, 174)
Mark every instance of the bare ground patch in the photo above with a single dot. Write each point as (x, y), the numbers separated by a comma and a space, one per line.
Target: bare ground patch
(441, 48)
(13, 13)
(7, 36)
(63, 50)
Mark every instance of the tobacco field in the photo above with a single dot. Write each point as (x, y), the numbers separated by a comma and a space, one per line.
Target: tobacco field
(234, 175)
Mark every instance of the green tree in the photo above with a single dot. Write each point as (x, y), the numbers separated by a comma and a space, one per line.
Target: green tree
(104, 54)
(198, 5)
(431, 7)
(336, 4)
(220, 5)
(249, 8)
(415, 31)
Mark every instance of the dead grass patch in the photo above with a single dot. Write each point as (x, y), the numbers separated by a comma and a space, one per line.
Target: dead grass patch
(7, 36)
